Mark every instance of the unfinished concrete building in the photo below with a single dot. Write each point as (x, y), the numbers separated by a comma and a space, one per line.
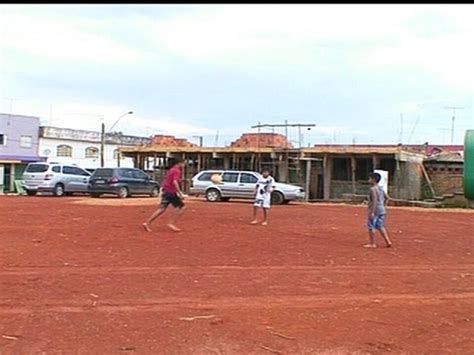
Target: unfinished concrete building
(326, 172)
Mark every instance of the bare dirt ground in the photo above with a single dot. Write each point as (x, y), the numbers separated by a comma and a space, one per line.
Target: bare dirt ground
(78, 275)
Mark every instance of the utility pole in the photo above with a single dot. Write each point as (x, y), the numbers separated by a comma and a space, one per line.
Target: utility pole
(102, 145)
(102, 137)
(454, 108)
(200, 139)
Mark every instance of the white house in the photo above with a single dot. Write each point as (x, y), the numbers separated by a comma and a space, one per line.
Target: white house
(80, 147)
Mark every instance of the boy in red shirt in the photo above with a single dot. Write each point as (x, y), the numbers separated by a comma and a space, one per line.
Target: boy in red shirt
(171, 194)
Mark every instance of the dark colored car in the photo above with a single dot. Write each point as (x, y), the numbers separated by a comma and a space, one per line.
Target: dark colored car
(123, 182)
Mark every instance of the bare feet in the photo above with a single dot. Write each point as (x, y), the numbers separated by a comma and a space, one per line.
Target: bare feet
(146, 227)
(173, 227)
(370, 246)
(254, 222)
(265, 223)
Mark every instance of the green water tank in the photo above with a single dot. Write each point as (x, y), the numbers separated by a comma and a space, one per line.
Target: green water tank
(469, 165)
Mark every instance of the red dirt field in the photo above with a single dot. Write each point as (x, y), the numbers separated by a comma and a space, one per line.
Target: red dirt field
(78, 275)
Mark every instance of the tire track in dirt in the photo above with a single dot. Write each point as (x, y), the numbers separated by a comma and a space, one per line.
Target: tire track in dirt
(7, 271)
(268, 302)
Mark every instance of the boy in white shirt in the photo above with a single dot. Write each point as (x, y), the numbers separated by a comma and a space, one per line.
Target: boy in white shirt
(263, 192)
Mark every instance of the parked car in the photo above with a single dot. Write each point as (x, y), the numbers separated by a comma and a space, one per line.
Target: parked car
(60, 179)
(239, 184)
(122, 182)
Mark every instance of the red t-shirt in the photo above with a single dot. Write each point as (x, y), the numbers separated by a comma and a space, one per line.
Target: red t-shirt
(174, 174)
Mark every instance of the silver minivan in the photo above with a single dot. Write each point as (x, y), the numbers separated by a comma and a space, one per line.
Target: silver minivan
(239, 184)
(60, 179)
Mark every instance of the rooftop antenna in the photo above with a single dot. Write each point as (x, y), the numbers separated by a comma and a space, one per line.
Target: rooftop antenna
(454, 108)
(217, 138)
(413, 130)
(400, 138)
(286, 125)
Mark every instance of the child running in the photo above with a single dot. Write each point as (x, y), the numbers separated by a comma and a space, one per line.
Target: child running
(263, 192)
(378, 200)
(170, 194)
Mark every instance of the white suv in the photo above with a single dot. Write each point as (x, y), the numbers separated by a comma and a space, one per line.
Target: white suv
(60, 179)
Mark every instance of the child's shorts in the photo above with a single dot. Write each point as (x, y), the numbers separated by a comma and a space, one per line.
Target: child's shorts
(376, 223)
(262, 201)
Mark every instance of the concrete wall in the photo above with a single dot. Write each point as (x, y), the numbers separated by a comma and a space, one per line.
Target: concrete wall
(80, 140)
(48, 148)
(15, 126)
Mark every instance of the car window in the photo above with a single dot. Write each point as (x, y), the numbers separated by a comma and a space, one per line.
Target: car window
(37, 168)
(126, 173)
(246, 178)
(230, 177)
(137, 174)
(79, 171)
(207, 176)
(69, 170)
(104, 173)
(56, 169)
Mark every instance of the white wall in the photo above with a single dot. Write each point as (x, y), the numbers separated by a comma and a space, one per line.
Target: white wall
(79, 153)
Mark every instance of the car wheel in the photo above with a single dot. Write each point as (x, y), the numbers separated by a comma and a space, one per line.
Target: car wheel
(155, 192)
(30, 193)
(95, 195)
(122, 192)
(213, 195)
(277, 198)
(59, 190)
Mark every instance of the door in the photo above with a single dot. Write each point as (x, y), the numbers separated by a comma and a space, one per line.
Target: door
(230, 185)
(69, 178)
(127, 178)
(81, 180)
(142, 181)
(247, 185)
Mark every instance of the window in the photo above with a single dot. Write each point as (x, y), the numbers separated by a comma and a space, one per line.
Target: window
(69, 170)
(3, 139)
(26, 141)
(207, 176)
(92, 152)
(56, 169)
(246, 178)
(341, 169)
(72, 170)
(37, 168)
(126, 173)
(104, 173)
(64, 151)
(137, 174)
(230, 177)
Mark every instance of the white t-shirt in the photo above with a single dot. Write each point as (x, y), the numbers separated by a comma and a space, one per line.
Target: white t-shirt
(265, 187)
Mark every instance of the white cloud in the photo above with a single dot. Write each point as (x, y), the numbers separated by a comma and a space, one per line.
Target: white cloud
(52, 37)
(90, 116)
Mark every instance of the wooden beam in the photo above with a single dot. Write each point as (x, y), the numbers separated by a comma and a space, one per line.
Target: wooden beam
(308, 179)
(353, 170)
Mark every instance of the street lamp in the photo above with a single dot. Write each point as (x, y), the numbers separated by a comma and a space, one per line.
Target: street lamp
(102, 137)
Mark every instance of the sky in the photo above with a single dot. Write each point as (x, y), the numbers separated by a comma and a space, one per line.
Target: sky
(364, 74)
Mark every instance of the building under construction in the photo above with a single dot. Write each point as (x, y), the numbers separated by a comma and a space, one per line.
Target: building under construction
(326, 172)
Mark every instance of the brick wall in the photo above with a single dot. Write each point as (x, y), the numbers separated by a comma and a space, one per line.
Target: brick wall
(270, 140)
(170, 141)
(447, 178)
